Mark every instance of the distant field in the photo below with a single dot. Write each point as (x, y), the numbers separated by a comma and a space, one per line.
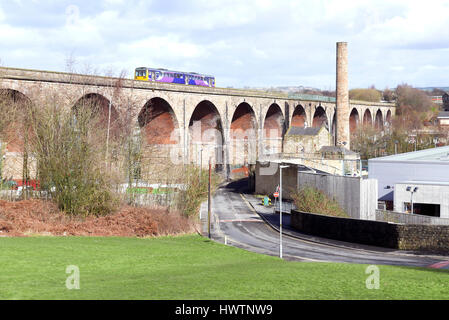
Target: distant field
(191, 267)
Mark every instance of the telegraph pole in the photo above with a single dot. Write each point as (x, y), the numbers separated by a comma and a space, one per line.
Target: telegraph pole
(209, 201)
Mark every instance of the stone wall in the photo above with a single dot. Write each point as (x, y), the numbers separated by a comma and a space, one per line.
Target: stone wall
(358, 197)
(301, 145)
(427, 238)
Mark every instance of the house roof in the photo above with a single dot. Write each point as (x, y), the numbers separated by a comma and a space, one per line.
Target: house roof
(299, 131)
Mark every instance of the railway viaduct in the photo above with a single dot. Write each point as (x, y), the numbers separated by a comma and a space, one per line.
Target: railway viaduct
(231, 126)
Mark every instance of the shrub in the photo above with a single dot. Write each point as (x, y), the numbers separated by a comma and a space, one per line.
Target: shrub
(70, 161)
(196, 189)
(309, 199)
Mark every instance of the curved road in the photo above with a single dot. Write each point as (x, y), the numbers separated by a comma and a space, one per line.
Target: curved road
(236, 221)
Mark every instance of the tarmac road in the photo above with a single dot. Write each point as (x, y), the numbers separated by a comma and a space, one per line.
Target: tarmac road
(236, 219)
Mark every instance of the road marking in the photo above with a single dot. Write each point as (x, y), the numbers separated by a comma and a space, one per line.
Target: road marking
(439, 265)
(259, 250)
(240, 220)
(248, 204)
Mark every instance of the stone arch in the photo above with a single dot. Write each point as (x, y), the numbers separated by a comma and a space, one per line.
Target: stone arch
(333, 126)
(299, 117)
(98, 105)
(243, 135)
(378, 122)
(320, 118)
(354, 120)
(159, 122)
(18, 103)
(388, 117)
(367, 118)
(273, 129)
(206, 135)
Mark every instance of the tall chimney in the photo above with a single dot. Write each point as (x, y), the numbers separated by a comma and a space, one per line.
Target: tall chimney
(342, 110)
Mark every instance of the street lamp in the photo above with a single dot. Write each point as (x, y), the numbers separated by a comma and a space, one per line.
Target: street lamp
(409, 189)
(280, 209)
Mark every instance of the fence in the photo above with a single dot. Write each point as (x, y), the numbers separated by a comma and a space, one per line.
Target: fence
(133, 196)
(407, 218)
(17, 195)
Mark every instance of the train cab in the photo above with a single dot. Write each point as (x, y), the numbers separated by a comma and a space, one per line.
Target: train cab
(141, 74)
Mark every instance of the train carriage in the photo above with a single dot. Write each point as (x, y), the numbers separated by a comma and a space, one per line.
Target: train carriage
(169, 76)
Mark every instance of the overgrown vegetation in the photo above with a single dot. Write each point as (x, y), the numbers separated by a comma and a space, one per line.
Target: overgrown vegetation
(70, 159)
(414, 126)
(370, 94)
(310, 199)
(196, 189)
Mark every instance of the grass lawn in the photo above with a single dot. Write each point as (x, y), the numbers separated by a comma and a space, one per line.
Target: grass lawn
(191, 267)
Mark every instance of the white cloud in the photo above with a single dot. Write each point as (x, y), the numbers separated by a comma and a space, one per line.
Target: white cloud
(245, 43)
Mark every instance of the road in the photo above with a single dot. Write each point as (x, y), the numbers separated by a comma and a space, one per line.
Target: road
(236, 221)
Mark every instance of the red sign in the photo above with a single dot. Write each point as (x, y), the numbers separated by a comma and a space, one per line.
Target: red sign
(276, 194)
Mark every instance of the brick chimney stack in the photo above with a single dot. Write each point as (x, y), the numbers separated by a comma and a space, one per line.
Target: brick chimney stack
(342, 103)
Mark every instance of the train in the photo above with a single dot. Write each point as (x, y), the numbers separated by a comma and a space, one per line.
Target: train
(170, 76)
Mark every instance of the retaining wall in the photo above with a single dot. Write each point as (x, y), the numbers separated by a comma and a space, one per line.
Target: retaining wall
(428, 238)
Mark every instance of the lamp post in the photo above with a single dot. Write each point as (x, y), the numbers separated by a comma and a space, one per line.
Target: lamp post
(409, 189)
(209, 200)
(280, 209)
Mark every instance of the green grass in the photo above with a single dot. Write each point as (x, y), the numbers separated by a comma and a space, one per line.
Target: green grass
(191, 267)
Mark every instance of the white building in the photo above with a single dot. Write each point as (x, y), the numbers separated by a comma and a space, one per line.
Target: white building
(420, 177)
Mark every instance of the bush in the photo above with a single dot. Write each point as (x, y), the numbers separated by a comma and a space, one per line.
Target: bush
(70, 161)
(309, 199)
(196, 189)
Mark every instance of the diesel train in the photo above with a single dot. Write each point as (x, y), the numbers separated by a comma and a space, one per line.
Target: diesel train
(169, 76)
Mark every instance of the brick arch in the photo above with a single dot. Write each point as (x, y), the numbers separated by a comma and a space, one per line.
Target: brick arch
(159, 122)
(299, 117)
(273, 125)
(367, 118)
(354, 120)
(388, 117)
(206, 132)
(99, 108)
(18, 103)
(243, 135)
(320, 118)
(379, 120)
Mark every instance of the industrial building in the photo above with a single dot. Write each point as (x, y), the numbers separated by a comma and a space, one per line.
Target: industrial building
(415, 182)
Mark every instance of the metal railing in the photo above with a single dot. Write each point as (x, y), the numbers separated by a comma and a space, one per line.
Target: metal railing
(311, 97)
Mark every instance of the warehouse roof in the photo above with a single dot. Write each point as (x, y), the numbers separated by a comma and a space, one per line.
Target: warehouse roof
(433, 155)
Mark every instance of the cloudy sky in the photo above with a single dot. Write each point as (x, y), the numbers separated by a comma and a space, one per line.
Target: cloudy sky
(242, 42)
